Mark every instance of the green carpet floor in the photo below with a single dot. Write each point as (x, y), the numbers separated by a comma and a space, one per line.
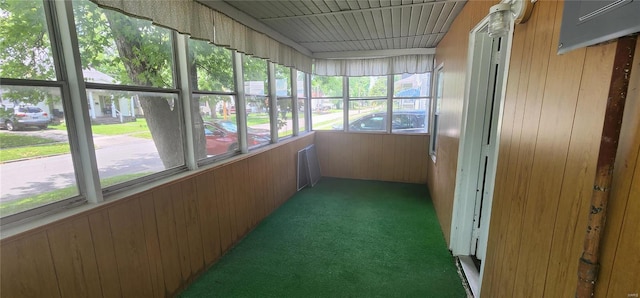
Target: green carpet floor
(341, 238)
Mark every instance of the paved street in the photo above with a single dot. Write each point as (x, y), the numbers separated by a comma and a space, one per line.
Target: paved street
(116, 155)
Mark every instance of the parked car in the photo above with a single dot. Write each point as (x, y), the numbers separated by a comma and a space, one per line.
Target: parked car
(222, 137)
(20, 117)
(409, 121)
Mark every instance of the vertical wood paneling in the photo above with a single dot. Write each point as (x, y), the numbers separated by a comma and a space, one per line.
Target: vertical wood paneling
(550, 135)
(208, 211)
(549, 159)
(578, 176)
(177, 201)
(224, 213)
(130, 249)
(192, 224)
(105, 254)
(153, 246)
(27, 268)
(386, 157)
(74, 259)
(167, 237)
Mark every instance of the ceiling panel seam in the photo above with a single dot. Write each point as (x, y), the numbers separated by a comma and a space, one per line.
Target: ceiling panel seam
(342, 12)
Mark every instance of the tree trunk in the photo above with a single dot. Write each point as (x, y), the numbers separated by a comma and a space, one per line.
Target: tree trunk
(160, 114)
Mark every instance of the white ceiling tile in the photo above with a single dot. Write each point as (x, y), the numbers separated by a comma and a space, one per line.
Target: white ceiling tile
(348, 25)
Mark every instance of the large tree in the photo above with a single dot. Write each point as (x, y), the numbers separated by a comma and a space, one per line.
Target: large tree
(132, 51)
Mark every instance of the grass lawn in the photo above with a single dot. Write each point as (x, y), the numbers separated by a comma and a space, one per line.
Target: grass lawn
(11, 140)
(19, 205)
(139, 126)
(33, 151)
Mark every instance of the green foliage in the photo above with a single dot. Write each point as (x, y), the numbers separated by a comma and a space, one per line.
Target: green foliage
(213, 65)
(324, 86)
(25, 47)
(255, 69)
(360, 87)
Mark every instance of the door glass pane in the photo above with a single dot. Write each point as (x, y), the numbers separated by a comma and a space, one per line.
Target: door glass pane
(135, 133)
(35, 158)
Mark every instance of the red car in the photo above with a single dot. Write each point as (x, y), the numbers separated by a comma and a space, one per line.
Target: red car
(222, 137)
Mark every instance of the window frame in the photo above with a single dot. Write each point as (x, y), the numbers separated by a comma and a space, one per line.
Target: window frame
(437, 90)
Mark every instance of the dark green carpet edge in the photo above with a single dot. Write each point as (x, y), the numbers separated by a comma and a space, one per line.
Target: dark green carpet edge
(341, 238)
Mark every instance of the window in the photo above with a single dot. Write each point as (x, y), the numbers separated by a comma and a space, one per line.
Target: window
(36, 165)
(214, 119)
(257, 101)
(439, 86)
(131, 105)
(35, 156)
(136, 116)
(368, 103)
(284, 100)
(142, 57)
(326, 103)
(25, 46)
(410, 103)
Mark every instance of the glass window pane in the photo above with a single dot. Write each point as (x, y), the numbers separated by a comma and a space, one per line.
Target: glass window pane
(258, 124)
(135, 133)
(412, 85)
(25, 47)
(410, 115)
(302, 102)
(284, 100)
(35, 160)
(255, 76)
(324, 86)
(257, 101)
(360, 87)
(368, 115)
(327, 114)
(212, 68)
(142, 56)
(215, 129)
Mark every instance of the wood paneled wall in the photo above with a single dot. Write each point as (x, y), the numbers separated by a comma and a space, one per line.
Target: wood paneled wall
(384, 157)
(451, 53)
(154, 243)
(550, 134)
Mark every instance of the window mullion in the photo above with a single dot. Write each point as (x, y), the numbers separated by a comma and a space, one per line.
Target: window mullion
(294, 100)
(183, 83)
(273, 101)
(241, 101)
(80, 136)
(389, 102)
(345, 103)
(307, 102)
